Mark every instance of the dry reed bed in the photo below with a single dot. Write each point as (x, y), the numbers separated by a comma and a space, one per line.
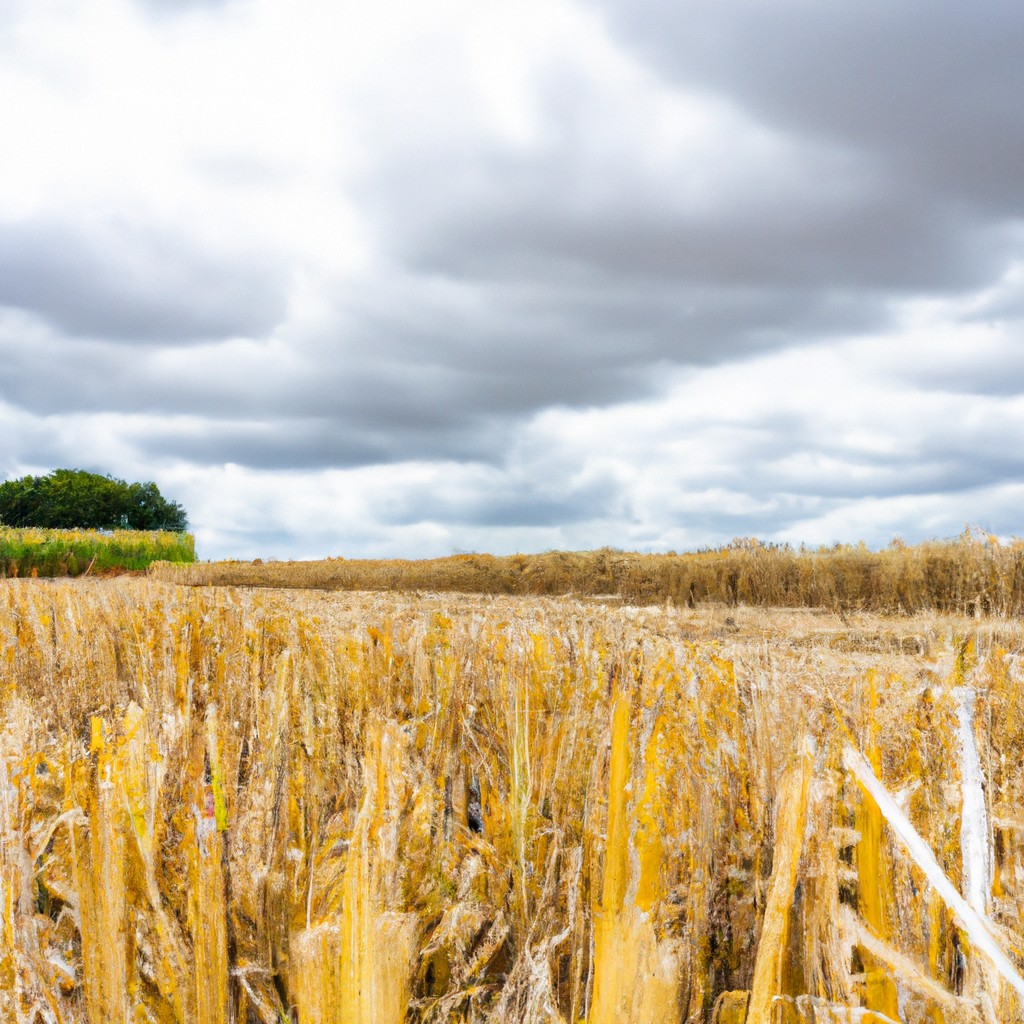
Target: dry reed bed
(972, 574)
(255, 806)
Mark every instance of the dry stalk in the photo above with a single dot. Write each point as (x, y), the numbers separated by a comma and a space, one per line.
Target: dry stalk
(789, 840)
(426, 808)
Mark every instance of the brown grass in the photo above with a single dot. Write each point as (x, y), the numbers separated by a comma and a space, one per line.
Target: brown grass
(259, 805)
(972, 575)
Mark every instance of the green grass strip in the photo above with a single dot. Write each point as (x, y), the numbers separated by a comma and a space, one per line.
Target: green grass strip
(35, 552)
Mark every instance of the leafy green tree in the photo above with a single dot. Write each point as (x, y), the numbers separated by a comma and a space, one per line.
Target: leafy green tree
(69, 499)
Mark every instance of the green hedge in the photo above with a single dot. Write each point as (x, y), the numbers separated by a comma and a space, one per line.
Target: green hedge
(34, 552)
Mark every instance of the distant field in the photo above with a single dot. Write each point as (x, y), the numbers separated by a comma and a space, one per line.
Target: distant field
(252, 805)
(972, 575)
(27, 552)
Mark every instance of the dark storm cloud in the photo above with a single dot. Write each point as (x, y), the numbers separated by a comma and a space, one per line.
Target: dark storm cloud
(133, 282)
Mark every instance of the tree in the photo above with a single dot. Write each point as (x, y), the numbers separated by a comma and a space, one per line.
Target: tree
(74, 499)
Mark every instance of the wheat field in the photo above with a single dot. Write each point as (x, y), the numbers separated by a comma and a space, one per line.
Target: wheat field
(227, 805)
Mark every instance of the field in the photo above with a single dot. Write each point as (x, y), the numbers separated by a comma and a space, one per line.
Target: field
(37, 552)
(266, 805)
(973, 574)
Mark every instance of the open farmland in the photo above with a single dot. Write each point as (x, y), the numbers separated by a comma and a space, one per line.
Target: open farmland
(263, 805)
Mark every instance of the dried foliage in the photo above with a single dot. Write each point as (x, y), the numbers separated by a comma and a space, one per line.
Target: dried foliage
(259, 806)
(972, 575)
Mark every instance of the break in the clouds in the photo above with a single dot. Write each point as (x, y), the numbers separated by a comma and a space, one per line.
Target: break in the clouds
(406, 279)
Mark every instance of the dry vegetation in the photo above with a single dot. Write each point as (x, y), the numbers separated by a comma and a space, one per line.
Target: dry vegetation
(225, 805)
(973, 574)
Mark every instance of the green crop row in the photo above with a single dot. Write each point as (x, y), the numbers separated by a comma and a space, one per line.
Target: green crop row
(35, 552)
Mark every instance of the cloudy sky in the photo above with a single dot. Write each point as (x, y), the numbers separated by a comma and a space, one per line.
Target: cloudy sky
(411, 278)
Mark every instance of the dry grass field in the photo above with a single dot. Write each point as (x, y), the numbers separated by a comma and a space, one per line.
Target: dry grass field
(261, 805)
(973, 574)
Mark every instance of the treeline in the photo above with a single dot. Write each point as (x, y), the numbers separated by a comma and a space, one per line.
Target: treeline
(973, 574)
(32, 552)
(73, 499)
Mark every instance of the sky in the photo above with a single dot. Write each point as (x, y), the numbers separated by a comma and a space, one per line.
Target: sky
(395, 279)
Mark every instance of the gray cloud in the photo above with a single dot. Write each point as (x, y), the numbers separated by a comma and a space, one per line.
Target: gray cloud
(931, 94)
(133, 282)
(378, 385)
(691, 209)
(866, 196)
(504, 499)
(348, 440)
(869, 236)
(796, 461)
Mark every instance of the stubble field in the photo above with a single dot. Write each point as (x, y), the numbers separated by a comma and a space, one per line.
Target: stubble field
(221, 804)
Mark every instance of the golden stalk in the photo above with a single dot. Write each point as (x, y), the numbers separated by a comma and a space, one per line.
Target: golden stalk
(100, 870)
(872, 874)
(207, 892)
(358, 968)
(789, 840)
(407, 808)
(637, 973)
